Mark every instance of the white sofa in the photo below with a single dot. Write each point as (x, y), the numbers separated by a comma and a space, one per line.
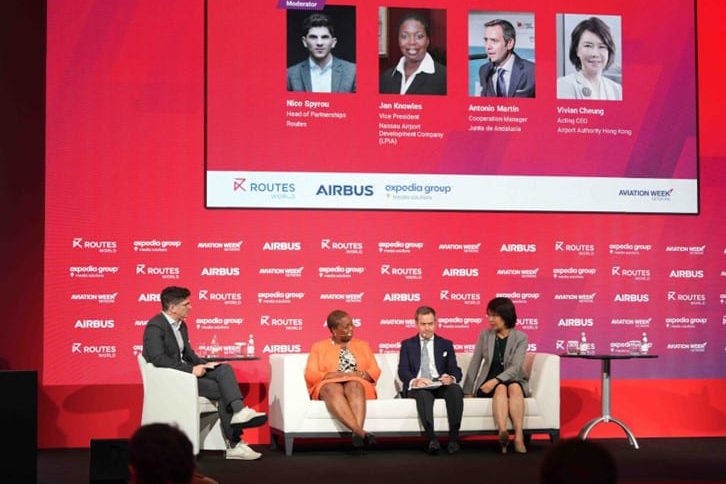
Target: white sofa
(294, 415)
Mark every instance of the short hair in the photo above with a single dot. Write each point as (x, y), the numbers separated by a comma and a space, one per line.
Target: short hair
(318, 20)
(504, 308)
(574, 461)
(335, 317)
(597, 27)
(173, 295)
(161, 454)
(418, 18)
(507, 29)
(422, 310)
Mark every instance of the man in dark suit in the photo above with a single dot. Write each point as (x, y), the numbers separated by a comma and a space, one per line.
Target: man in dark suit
(506, 74)
(321, 71)
(166, 345)
(428, 370)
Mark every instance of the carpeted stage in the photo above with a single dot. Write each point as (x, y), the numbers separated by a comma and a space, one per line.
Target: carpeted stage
(658, 460)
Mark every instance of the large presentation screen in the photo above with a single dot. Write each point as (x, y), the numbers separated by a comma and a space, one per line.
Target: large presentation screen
(541, 106)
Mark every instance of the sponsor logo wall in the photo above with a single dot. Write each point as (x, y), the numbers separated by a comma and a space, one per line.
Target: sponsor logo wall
(260, 295)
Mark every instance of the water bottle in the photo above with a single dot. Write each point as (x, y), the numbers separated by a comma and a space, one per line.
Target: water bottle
(251, 346)
(214, 346)
(584, 347)
(644, 344)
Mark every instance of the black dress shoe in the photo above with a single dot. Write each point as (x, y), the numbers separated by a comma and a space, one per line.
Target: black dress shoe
(434, 447)
(453, 447)
(370, 439)
(358, 442)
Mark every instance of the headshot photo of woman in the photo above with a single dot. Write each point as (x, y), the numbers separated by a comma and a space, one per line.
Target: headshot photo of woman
(501, 378)
(342, 371)
(416, 71)
(594, 61)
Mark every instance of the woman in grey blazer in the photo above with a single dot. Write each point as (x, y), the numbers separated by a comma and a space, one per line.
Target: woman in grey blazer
(496, 371)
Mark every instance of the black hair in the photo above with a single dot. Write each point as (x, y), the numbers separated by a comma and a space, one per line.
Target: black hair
(161, 454)
(597, 27)
(318, 20)
(504, 308)
(335, 317)
(418, 18)
(173, 295)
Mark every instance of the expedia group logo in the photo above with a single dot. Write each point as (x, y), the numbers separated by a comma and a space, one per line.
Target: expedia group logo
(628, 248)
(459, 322)
(685, 322)
(91, 271)
(340, 272)
(279, 297)
(156, 245)
(102, 246)
(520, 297)
(399, 247)
(573, 272)
(218, 323)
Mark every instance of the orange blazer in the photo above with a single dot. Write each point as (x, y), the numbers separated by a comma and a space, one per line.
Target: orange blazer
(323, 359)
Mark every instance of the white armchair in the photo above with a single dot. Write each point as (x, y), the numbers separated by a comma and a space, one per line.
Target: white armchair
(294, 415)
(171, 396)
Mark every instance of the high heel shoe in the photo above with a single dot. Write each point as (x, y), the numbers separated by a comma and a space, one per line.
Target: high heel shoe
(520, 448)
(504, 440)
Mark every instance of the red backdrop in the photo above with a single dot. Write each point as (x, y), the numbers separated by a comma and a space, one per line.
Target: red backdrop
(146, 127)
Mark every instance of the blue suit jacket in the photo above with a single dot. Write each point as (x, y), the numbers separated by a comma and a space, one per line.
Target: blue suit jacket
(409, 360)
(343, 76)
(521, 82)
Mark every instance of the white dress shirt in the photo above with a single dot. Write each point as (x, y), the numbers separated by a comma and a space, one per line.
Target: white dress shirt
(507, 68)
(321, 77)
(577, 86)
(175, 325)
(426, 66)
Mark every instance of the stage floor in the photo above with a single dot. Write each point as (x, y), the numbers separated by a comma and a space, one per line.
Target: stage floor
(658, 460)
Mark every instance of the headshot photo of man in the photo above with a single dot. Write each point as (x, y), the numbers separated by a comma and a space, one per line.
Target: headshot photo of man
(316, 40)
(501, 54)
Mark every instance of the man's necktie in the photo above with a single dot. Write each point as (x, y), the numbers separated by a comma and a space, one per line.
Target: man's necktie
(501, 87)
(425, 360)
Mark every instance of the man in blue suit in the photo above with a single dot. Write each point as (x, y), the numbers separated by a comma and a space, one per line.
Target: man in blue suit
(506, 74)
(321, 71)
(428, 370)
